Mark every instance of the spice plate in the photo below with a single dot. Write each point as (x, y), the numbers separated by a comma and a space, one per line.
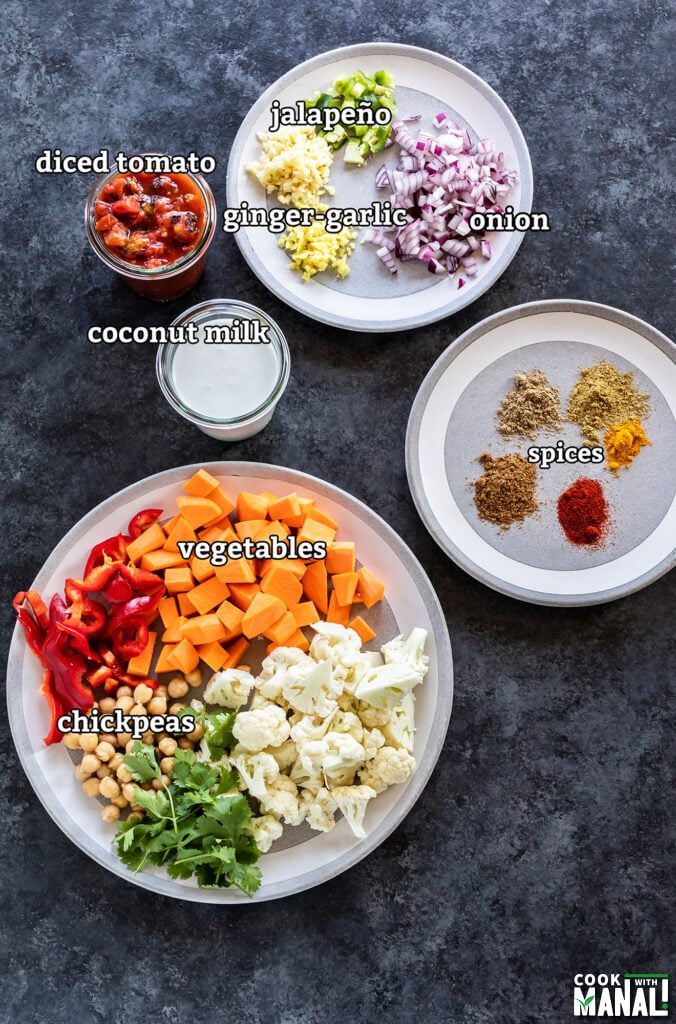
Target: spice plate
(370, 298)
(453, 422)
(310, 857)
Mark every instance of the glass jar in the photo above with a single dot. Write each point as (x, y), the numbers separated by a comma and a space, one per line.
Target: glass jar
(229, 389)
(158, 283)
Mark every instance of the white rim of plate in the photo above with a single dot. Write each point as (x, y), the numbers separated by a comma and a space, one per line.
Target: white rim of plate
(460, 298)
(419, 492)
(159, 882)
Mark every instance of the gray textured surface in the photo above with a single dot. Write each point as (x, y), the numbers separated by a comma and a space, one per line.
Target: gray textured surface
(540, 846)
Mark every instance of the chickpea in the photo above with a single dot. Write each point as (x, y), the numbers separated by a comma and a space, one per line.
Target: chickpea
(91, 787)
(89, 741)
(167, 746)
(123, 774)
(185, 744)
(107, 705)
(125, 704)
(157, 706)
(178, 688)
(194, 678)
(123, 691)
(161, 691)
(137, 710)
(148, 738)
(175, 708)
(138, 812)
(120, 801)
(123, 738)
(90, 764)
(71, 741)
(130, 746)
(167, 764)
(161, 783)
(80, 774)
(116, 760)
(103, 772)
(105, 751)
(109, 788)
(197, 733)
(143, 693)
(108, 737)
(111, 814)
(128, 791)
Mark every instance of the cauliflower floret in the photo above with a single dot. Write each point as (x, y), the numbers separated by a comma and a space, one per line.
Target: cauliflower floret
(373, 741)
(337, 752)
(345, 777)
(312, 692)
(372, 658)
(308, 728)
(285, 755)
(320, 814)
(257, 771)
(307, 780)
(275, 667)
(408, 652)
(388, 768)
(341, 648)
(385, 687)
(347, 701)
(258, 701)
(305, 799)
(373, 718)
(400, 729)
(281, 798)
(347, 721)
(264, 727)
(229, 688)
(352, 801)
(265, 830)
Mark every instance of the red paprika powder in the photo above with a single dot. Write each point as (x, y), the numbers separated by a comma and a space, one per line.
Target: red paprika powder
(583, 512)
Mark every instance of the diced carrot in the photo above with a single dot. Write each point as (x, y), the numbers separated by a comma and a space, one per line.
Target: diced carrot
(178, 580)
(298, 639)
(370, 589)
(294, 522)
(294, 565)
(213, 654)
(140, 664)
(262, 613)
(231, 616)
(238, 570)
(284, 585)
(313, 531)
(151, 539)
(338, 612)
(168, 611)
(242, 594)
(274, 529)
(208, 595)
(184, 657)
(201, 568)
(251, 506)
(249, 527)
(200, 484)
(321, 517)
(223, 501)
(168, 527)
(203, 629)
(284, 507)
(236, 652)
(362, 629)
(280, 631)
(220, 531)
(304, 614)
(180, 531)
(156, 561)
(345, 587)
(172, 634)
(163, 663)
(341, 557)
(198, 511)
(185, 605)
(315, 585)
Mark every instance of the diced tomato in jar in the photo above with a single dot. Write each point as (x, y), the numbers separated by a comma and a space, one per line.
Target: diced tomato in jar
(150, 220)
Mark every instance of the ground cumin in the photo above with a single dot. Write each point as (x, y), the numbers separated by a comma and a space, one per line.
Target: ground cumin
(603, 397)
(533, 404)
(505, 493)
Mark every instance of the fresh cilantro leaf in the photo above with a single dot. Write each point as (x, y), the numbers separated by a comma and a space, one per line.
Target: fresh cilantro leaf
(142, 763)
(154, 801)
(218, 731)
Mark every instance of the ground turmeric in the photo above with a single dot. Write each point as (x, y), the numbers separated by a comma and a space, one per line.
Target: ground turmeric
(623, 443)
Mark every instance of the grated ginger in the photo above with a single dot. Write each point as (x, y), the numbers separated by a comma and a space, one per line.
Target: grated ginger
(313, 249)
(295, 163)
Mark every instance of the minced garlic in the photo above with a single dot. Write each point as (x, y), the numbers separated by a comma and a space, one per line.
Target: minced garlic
(313, 249)
(295, 163)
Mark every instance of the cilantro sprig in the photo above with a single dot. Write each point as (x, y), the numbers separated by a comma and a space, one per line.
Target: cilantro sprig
(197, 825)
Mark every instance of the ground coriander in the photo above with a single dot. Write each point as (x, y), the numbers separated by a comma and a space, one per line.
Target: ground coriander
(505, 493)
(533, 404)
(603, 397)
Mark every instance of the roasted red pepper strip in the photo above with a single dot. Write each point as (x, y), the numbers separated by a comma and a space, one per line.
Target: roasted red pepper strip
(142, 520)
(118, 590)
(35, 634)
(97, 578)
(55, 709)
(68, 667)
(37, 607)
(143, 582)
(145, 606)
(78, 640)
(130, 638)
(88, 616)
(99, 676)
(114, 549)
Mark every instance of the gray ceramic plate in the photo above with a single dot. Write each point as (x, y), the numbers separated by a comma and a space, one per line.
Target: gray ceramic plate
(370, 298)
(301, 858)
(453, 420)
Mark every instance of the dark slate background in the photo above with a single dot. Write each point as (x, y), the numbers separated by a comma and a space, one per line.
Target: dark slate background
(539, 848)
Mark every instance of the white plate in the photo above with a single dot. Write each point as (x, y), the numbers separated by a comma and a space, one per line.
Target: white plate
(453, 421)
(370, 298)
(410, 601)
